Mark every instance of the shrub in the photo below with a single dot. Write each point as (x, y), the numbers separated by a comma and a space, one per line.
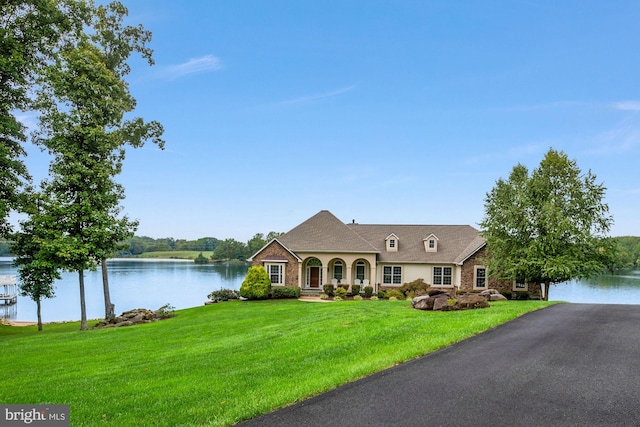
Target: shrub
(393, 298)
(340, 292)
(522, 295)
(345, 287)
(165, 311)
(285, 292)
(355, 289)
(223, 295)
(368, 291)
(337, 298)
(256, 284)
(358, 298)
(328, 289)
(324, 296)
(507, 294)
(418, 287)
(381, 294)
(374, 298)
(391, 293)
(201, 259)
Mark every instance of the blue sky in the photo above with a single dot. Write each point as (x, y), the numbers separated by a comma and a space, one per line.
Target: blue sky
(379, 111)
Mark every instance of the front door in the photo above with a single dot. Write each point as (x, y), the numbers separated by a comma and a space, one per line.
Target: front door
(314, 277)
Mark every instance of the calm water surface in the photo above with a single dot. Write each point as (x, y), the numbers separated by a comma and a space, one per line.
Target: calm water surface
(132, 284)
(152, 283)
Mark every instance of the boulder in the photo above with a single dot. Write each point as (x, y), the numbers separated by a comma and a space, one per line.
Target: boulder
(493, 295)
(469, 301)
(436, 300)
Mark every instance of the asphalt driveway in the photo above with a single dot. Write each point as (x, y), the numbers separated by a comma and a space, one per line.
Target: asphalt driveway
(566, 365)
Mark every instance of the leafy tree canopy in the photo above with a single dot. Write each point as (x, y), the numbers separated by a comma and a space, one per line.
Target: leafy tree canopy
(548, 226)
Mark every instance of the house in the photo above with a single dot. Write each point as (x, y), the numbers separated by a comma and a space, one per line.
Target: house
(324, 250)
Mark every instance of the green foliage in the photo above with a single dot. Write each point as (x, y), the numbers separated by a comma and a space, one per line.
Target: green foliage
(374, 298)
(201, 259)
(548, 226)
(340, 292)
(381, 294)
(165, 311)
(256, 284)
(338, 298)
(358, 298)
(417, 287)
(628, 253)
(355, 289)
(223, 295)
(328, 289)
(324, 296)
(368, 291)
(394, 293)
(285, 292)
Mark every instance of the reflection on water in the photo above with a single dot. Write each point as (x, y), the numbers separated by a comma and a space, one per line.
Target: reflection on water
(132, 284)
(620, 288)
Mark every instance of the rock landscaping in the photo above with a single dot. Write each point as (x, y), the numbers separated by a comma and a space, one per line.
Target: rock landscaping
(137, 317)
(443, 301)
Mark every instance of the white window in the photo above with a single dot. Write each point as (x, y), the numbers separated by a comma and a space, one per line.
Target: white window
(432, 244)
(392, 243)
(337, 270)
(442, 276)
(520, 285)
(392, 275)
(360, 265)
(480, 279)
(276, 273)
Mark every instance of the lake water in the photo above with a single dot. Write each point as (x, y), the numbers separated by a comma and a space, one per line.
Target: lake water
(132, 283)
(152, 283)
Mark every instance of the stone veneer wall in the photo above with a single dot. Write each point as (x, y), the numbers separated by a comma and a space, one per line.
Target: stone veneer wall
(477, 259)
(291, 267)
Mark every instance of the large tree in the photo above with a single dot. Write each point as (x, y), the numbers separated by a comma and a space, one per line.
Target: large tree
(549, 226)
(84, 98)
(29, 35)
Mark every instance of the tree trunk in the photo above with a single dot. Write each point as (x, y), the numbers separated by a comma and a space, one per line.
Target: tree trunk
(109, 308)
(547, 285)
(39, 315)
(83, 307)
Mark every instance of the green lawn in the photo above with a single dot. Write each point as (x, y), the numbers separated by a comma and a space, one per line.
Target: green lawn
(176, 254)
(227, 362)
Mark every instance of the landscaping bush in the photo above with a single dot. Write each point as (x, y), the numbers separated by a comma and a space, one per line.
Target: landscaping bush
(355, 289)
(374, 298)
(381, 294)
(368, 291)
(328, 289)
(324, 296)
(285, 292)
(357, 298)
(507, 294)
(522, 295)
(223, 295)
(345, 287)
(394, 293)
(340, 292)
(418, 287)
(256, 284)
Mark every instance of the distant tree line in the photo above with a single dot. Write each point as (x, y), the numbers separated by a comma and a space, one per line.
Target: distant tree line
(228, 249)
(628, 247)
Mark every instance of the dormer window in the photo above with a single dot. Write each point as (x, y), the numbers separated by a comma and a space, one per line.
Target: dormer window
(431, 243)
(392, 243)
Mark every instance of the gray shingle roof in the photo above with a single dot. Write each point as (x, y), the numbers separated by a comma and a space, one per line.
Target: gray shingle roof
(324, 232)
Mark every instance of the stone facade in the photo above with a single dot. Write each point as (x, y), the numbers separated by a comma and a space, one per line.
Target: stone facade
(502, 286)
(275, 250)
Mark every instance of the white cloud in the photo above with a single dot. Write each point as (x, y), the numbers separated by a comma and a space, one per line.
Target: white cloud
(311, 98)
(195, 65)
(627, 105)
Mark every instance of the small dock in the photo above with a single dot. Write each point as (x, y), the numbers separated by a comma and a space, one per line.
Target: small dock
(8, 290)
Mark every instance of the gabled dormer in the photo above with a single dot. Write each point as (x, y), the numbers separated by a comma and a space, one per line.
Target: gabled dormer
(392, 243)
(431, 243)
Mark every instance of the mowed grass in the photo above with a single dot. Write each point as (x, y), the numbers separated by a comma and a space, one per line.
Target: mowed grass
(176, 254)
(224, 363)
